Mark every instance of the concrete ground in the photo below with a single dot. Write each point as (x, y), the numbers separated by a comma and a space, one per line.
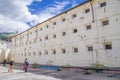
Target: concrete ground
(47, 74)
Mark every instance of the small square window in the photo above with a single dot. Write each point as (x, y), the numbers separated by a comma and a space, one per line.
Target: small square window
(63, 19)
(90, 48)
(105, 22)
(74, 30)
(74, 15)
(54, 36)
(54, 23)
(88, 27)
(39, 53)
(103, 4)
(75, 50)
(54, 51)
(40, 39)
(46, 52)
(47, 26)
(87, 10)
(46, 38)
(34, 53)
(63, 33)
(41, 29)
(108, 46)
(63, 50)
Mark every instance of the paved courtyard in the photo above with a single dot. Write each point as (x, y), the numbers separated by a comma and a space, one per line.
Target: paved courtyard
(21, 75)
(46, 74)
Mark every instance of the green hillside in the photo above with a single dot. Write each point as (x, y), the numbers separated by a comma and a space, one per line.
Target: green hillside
(6, 36)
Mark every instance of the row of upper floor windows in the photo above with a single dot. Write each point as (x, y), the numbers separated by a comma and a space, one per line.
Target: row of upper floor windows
(87, 10)
(74, 30)
(63, 33)
(90, 48)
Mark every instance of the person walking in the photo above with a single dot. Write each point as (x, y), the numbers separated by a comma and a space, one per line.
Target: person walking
(4, 62)
(11, 66)
(25, 65)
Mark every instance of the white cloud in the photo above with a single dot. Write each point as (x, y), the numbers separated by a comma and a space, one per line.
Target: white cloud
(14, 14)
(52, 10)
(9, 25)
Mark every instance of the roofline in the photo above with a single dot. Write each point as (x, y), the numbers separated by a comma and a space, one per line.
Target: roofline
(53, 17)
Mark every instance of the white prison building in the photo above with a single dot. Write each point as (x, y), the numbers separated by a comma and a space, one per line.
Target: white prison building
(82, 36)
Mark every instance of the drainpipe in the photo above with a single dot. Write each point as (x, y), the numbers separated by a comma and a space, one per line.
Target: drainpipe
(92, 10)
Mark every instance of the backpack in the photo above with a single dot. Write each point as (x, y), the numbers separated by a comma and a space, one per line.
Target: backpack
(26, 63)
(11, 62)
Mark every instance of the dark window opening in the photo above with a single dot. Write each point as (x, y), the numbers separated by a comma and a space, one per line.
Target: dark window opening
(54, 51)
(88, 27)
(34, 53)
(63, 33)
(75, 50)
(41, 29)
(103, 4)
(106, 22)
(40, 39)
(46, 38)
(108, 46)
(74, 15)
(87, 10)
(47, 26)
(63, 50)
(63, 19)
(54, 23)
(39, 53)
(75, 31)
(54, 36)
(90, 48)
(46, 52)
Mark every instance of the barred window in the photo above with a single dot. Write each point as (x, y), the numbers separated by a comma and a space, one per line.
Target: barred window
(87, 10)
(54, 23)
(103, 4)
(46, 38)
(34, 53)
(108, 46)
(63, 19)
(74, 30)
(90, 48)
(105, 22)
(54, 36)
(88, 27)
(63, 33)
(75, 50)
(47, 26)
(74, 15)
(63, 50)
(54, 51)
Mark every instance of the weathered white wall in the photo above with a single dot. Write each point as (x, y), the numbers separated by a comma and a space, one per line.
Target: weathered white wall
(34, 46)
(3, 48)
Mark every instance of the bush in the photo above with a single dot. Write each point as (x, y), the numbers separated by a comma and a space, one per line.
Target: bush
(97, 65)
(35, 65)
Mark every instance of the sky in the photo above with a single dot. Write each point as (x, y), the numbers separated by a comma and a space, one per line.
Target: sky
(20, 15)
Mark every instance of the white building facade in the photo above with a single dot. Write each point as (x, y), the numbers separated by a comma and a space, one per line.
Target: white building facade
(84, 35)
(4, 50)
